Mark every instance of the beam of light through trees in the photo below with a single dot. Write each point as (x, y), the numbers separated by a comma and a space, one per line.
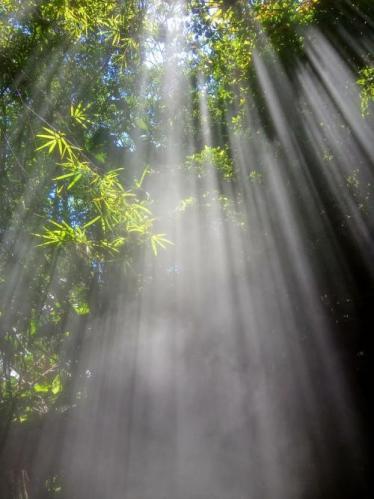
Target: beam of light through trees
(186, 235)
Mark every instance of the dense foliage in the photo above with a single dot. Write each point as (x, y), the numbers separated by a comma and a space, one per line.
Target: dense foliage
(83, 135)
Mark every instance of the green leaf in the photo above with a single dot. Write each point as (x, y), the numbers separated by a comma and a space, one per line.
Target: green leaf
(91, 222)
(33, 327)
(74, 181)
(140, 123)
(81, 308)
(159, 240)
(67, 175)
(139, 183)
(41, 388)
(56, 385)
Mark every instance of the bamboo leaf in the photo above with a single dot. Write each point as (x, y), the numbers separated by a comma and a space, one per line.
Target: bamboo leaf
(91, 222)
(67, 175)
(56, 386)
(74, 181)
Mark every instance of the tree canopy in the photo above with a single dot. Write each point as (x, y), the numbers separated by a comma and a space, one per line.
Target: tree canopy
(104, 105)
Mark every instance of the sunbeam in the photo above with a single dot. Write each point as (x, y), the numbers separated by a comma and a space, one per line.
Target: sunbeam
(186, 249)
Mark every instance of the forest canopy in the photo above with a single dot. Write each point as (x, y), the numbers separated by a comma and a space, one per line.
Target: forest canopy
(131, 132)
